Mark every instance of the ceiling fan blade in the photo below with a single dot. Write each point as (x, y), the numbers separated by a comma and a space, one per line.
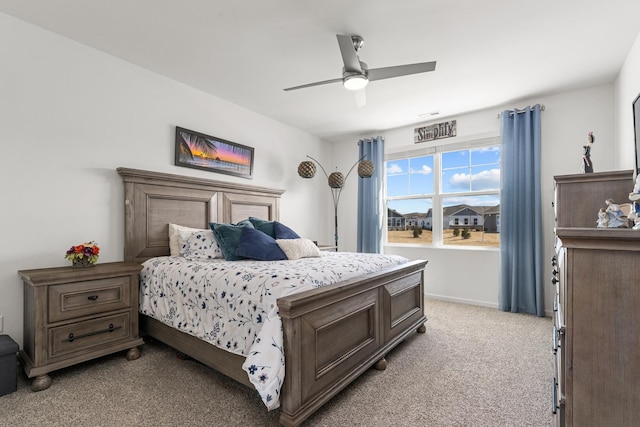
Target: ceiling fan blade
(400, 70)
(360, 96)
(324, 82)
(349, 55)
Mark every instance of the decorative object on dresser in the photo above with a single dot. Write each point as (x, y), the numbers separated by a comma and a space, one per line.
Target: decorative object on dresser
(379, 309)
(336, 180)
(83, 255)
(634, 197)
(597, 296)
(617, 214)
(199, 151)
(587, 164)
(72, 315)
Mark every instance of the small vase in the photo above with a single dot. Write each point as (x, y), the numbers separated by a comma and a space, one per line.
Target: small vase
(81, 262)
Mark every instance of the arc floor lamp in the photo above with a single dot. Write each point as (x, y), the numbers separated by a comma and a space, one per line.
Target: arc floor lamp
(307, 169)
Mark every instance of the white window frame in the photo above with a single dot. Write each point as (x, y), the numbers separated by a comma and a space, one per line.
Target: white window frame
(436, 149)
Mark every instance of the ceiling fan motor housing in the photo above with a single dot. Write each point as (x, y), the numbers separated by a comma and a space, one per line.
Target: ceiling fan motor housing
(358, 42)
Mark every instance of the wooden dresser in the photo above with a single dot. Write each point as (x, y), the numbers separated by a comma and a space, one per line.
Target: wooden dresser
(596, 275)
(76, 314)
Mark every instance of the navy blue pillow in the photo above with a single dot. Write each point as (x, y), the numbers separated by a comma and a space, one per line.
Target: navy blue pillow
(263, 225)
(284, 232)
(228, 237)
(255, 244)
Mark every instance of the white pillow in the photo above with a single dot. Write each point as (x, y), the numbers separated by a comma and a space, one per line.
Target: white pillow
(178, 236)
(298, 248)
(201, 245)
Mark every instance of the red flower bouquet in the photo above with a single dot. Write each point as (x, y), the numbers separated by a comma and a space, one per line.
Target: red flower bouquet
(86, 253)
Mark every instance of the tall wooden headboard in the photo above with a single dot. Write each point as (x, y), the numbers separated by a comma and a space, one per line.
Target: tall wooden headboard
(152, 200)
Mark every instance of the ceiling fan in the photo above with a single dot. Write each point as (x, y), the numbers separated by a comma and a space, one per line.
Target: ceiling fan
(355, 73)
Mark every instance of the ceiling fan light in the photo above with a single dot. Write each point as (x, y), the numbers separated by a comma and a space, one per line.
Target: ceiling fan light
(355, 82)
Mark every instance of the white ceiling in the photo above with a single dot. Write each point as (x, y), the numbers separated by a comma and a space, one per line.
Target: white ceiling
(488, 53)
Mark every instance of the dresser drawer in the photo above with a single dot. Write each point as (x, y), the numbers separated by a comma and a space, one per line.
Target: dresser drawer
(67, 339)
(79, 299)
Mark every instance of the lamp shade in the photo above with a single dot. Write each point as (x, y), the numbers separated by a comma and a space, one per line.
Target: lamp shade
(307, 169)
(336, 180)
(366, 169)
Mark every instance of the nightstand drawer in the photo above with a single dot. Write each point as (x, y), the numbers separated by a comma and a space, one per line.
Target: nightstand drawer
(78, 299)
(91, 333)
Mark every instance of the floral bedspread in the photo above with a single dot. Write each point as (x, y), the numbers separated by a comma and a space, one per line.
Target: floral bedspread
(232, 305)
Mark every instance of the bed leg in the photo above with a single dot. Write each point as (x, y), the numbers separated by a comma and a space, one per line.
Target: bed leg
(133, 353)
(422, 329)
(381, 364)
(41, 382)
(182, 356)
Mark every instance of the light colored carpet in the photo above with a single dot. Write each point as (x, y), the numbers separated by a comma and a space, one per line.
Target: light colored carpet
(474, 366)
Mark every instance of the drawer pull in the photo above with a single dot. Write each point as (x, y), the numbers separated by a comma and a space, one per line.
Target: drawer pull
(554, 280)
(554, 397)
(73, 337)
(555, 340)
(92, 297)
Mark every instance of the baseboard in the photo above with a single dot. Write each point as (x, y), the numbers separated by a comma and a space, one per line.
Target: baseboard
(462, 300)
(547, 313)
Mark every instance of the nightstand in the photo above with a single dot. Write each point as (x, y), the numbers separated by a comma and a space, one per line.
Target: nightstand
(73, 314)
(328, 248)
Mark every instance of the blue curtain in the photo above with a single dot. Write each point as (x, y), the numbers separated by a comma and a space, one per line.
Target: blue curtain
(521, 213)
(370, 198)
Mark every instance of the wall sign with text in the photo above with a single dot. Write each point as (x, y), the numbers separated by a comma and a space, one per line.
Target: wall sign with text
(433, 132)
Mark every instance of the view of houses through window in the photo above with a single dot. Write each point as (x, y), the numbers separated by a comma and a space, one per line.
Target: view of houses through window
(445, 198)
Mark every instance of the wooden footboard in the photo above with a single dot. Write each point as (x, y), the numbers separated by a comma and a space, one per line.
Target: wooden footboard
(333, 334)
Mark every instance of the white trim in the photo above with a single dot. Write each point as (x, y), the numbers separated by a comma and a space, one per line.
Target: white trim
(461, 301)
(447, 247)
(547, 313)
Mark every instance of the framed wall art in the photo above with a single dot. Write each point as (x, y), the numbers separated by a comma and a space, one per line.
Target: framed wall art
(199, 151)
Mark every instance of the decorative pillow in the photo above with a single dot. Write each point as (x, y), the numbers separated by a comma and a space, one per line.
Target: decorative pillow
(298, 248)
(228, 237)
(201, 245)
(178, 236)
(255, 244)
(263, 225)
(284, 232)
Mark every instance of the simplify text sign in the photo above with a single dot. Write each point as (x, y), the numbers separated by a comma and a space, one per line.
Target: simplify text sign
(433, 132)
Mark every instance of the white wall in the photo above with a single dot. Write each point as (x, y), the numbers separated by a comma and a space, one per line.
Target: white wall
(627, 87)
(472, 276)
(70, 115)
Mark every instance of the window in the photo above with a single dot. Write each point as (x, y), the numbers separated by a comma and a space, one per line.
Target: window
(446, 197)
(410, 186)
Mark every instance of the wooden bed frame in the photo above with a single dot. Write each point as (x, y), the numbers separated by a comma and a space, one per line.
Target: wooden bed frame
(331, 334)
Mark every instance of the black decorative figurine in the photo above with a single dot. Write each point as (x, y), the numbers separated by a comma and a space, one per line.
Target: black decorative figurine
(587, 164)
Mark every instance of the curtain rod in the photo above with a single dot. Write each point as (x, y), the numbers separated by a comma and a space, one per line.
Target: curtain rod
(515, 110)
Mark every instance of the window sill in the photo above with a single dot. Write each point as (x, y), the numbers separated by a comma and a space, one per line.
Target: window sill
(451, 247)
